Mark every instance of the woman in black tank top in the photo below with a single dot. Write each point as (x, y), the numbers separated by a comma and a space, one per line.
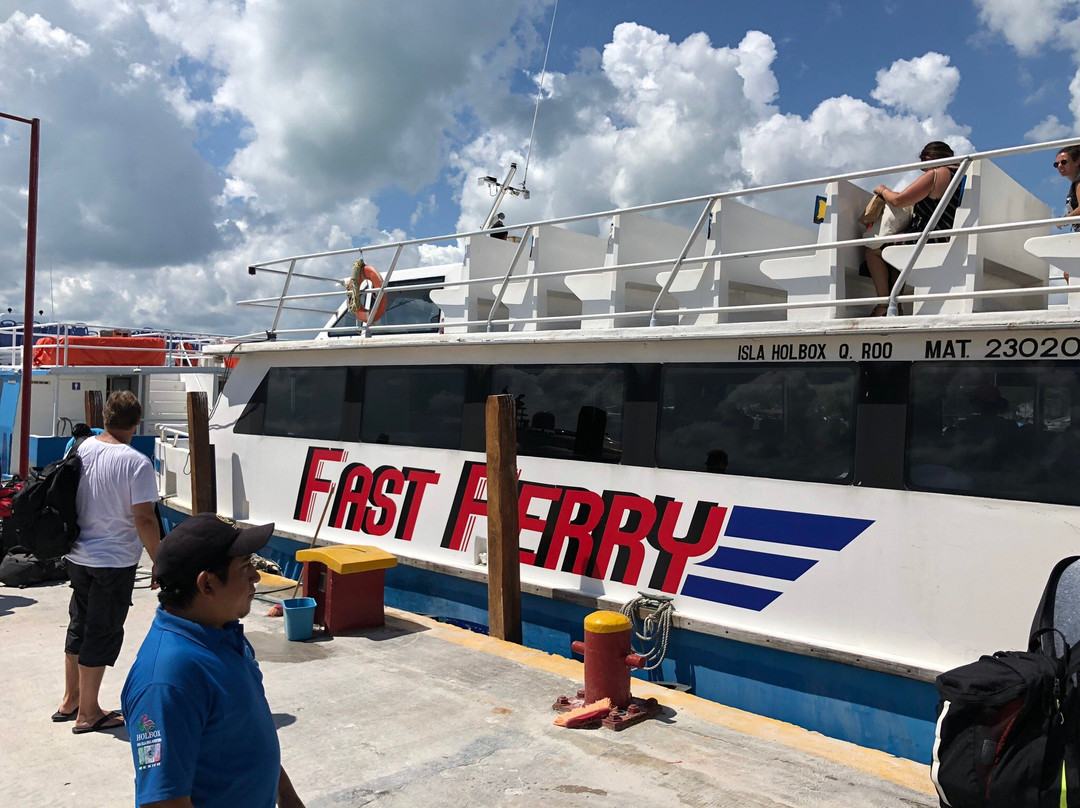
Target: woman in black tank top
(923, 194)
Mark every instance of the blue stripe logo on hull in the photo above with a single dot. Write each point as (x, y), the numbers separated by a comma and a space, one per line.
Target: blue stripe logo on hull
(792, 527)
(787, 568)
(728, 593)
(811, 530)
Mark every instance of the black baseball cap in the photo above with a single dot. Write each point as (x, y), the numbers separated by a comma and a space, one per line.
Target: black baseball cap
(200, 541)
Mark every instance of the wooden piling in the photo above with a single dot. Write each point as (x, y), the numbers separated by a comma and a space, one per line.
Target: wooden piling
(94, 407)
(202, 463)
(504, 565)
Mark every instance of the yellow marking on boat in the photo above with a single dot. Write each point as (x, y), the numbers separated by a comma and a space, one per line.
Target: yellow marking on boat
(903, 772)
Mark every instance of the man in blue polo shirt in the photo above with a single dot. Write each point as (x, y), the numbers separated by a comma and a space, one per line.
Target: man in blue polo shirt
(201, 730)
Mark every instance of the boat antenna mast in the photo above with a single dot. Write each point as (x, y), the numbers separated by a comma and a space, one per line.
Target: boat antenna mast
(504, 188)
(501, 189)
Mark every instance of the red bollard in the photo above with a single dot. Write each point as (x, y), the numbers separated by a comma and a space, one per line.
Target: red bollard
(607, 658)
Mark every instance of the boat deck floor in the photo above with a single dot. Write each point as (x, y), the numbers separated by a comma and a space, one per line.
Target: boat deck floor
(420, 713)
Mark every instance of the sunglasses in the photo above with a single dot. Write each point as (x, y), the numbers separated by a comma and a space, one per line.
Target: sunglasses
(1060, 163)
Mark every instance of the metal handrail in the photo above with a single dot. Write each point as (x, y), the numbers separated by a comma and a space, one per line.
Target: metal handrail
(62, 333)
(704, 217)
(382, 289)
(168, 433)
(1023, 291)
(769, 252)
(506, 278)
(673, 265)
(762, 189)
(284, 294)
(924, 236)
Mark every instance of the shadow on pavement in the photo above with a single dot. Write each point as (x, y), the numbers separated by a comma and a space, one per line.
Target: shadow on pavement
(9, 603)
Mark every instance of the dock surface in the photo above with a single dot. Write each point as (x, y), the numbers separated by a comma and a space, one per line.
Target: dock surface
(424, 714)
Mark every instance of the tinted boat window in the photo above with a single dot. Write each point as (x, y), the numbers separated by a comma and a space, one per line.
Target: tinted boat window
(996, 430)
(567, 411)
(410, 307)
(414, 406)
(306, 402)
(790, 423)
(252, 419)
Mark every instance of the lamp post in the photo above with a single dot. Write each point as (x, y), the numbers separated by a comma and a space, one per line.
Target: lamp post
(28, 304)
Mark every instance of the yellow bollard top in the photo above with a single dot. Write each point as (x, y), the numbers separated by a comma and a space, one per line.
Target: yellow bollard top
(349, 558)
(607, 623)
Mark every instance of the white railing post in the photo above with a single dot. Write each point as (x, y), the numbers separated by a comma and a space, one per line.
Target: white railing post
(509, 271)
(676, 265)
(284, 291)
(704, 217)
(382, 289)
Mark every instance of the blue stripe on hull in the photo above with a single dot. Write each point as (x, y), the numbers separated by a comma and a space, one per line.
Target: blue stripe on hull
(745, 597)
(770, 565)
(792, 527)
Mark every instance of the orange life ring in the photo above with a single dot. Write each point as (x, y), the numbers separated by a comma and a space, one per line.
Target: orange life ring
(365, 280)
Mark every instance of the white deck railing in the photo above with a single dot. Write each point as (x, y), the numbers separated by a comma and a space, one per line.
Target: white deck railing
(173, 465)
(731, 264)
(181, 349)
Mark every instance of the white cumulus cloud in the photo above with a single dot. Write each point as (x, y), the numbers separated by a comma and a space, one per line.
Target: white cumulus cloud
(38, 33)
(187, 140)
(924, 86)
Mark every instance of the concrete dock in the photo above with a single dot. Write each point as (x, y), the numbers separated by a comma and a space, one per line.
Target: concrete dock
(424, 714)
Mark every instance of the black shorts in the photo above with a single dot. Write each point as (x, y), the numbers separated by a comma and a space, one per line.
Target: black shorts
(100, 599)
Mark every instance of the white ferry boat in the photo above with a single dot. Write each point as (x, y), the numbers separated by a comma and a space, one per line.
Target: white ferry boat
(74, 364)
(840, 507)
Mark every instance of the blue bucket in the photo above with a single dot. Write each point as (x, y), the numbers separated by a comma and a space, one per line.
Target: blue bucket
(299, 618)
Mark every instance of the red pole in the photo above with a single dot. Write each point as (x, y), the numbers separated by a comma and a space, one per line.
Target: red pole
(28, 303)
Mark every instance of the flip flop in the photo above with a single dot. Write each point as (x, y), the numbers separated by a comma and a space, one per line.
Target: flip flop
(59, 716)
(102, 723)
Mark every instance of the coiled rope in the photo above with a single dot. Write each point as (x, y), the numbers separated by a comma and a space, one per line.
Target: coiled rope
(653, 631)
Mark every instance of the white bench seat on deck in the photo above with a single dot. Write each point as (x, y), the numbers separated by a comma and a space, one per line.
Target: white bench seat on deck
(485, 257)
(634, 239)
(734, 281)
(826, 275)
(536, 294)
(1061, 251)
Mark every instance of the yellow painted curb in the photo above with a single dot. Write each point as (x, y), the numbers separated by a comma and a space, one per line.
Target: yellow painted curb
(903, 772)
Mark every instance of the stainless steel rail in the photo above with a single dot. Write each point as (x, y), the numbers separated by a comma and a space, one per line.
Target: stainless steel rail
(674, 264)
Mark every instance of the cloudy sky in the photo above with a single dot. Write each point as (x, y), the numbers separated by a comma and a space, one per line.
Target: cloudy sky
(184, 139)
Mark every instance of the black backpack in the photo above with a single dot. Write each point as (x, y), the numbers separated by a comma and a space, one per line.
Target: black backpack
(43, 514)
(1000, 739)
(1007, 727)
(20, 569)
(1059, 609)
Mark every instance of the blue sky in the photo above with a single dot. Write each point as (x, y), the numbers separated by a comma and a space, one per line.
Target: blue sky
(184, 139)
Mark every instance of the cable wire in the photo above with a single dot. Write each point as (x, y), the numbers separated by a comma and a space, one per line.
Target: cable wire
(539, 93)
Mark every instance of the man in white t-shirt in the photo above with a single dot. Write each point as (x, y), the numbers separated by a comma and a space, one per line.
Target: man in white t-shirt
(115, 505)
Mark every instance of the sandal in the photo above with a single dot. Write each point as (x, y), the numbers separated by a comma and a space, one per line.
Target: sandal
(880, 310)
(111, 720)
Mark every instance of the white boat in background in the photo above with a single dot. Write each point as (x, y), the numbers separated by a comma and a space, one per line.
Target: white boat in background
(840, 507)
(71, 360)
